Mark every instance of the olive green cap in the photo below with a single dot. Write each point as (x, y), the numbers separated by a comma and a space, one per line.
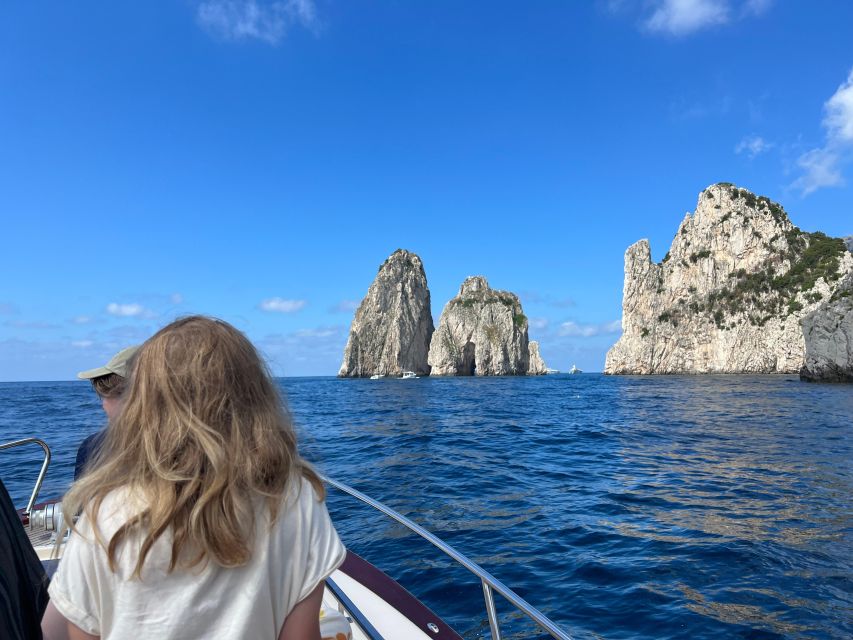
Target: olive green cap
(118, 365)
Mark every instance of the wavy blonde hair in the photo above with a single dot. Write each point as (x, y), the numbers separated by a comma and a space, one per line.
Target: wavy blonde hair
(202, 434)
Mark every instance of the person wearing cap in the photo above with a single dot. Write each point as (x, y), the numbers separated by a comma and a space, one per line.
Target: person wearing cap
(108, 382)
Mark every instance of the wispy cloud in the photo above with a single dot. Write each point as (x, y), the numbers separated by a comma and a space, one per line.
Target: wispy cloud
(314, 351)
(81, 319)
(822, 166)
(321, 332)
(589, 330)
(82, 344)
(176, 298)
(280, 305)
(753, 146)
(7, 309)
(236, 20)
(344, 306)
(534, 297)
(683, 17)
(129, 310)
(538, 323)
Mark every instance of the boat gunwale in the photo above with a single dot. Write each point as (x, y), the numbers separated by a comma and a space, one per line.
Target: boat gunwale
(488, 581)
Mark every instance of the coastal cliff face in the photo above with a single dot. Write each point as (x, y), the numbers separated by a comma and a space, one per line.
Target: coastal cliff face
(536, 366)
(481, 332)
(731, 293)
(393, 325)
(828, 332)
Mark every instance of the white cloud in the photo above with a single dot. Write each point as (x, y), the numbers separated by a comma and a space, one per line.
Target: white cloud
(821, 170)
(82, 344)
(176, 298)
(839, 113)
(130, 310)
(252, 20)
(538, 323)
(280, 305)
(822, 166)
(81, 320)
(345, 306)
(753, 146)
(682, 17)
(321, 332)
(589, 330)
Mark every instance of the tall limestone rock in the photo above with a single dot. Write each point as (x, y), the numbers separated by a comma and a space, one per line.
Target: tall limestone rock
(393, 325)
(536, 366)
(481, 332)
(731, 294)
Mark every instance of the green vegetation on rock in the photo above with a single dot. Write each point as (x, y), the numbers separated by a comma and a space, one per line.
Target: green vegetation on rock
(763, 295)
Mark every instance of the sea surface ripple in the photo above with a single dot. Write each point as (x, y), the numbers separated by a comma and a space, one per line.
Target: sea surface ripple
(622, 507)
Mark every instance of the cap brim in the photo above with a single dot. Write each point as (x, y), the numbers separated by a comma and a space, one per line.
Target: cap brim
(94, 373)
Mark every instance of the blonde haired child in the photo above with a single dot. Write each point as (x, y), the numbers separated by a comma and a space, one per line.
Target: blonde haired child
(199, 518)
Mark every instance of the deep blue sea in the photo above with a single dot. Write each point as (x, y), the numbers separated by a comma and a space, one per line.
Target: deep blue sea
(623, 507)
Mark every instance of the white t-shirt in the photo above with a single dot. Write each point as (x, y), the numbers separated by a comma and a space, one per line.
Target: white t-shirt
(207, 601)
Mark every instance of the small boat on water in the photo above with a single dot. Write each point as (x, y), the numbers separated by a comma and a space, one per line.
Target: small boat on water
(551, 371)
(376, 606)
(377, 376)
(574, 370)
(409, 375)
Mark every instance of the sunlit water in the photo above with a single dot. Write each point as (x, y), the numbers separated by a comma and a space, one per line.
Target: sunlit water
(623, 507)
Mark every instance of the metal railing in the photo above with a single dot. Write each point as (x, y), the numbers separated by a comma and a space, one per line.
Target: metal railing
(489, 582)
(44, 465)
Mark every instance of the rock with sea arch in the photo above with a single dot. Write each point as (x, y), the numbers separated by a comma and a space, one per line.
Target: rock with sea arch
(482, 332)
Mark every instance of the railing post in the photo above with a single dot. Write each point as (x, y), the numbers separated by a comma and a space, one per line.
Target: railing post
(44, 465)
(491, 611)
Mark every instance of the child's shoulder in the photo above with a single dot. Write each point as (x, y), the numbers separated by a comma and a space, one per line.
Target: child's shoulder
(115, 509)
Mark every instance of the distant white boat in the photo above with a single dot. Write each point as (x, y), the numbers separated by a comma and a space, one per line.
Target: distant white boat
(408, 375)
(376, 376)
(551, 371)
(574, 369)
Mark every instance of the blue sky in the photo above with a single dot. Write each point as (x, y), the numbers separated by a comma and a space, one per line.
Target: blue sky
(258, 161)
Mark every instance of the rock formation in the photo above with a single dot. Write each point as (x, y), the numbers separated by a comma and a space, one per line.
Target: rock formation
(393, 325)
(536, 365)
(828, 332)
(481, 332)
(730, 294)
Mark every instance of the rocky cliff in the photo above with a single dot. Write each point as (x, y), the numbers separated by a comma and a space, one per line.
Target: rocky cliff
(731, 293)
(828, 333)
(393, 325)
(536, 366)
(481, 332)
